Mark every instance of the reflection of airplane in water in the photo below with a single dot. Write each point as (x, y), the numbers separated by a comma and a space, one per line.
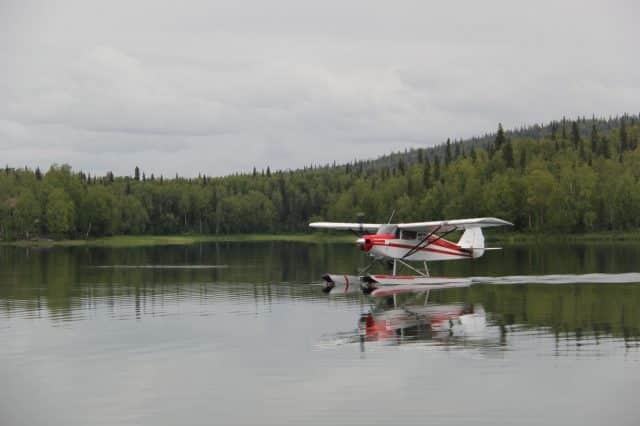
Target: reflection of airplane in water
(404, 317)
(386, 321)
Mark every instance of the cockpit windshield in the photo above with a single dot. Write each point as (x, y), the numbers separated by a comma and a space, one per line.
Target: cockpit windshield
(387, 229)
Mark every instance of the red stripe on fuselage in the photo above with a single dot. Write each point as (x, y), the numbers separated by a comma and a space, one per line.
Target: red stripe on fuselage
(433, 250)
(455, 250)
(443, 243)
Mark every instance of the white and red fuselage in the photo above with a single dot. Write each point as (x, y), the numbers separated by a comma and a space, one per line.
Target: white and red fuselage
(395, 246)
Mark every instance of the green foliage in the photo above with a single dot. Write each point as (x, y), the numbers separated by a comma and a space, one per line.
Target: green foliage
(59, 212)
(555, 186)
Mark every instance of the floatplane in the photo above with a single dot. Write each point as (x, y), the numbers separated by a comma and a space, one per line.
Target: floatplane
(400, 243)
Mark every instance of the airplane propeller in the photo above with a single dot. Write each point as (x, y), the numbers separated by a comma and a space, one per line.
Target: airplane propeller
(360, 232)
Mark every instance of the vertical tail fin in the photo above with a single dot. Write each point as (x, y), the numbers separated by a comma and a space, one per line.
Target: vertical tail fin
(473, 238)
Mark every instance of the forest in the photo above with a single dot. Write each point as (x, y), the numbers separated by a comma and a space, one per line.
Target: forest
(566, 176)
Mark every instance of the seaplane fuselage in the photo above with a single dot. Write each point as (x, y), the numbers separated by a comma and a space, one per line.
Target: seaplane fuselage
(393, 243)
(395, 248)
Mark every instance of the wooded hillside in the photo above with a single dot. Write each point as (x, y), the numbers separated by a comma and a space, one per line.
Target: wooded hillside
(566, 176)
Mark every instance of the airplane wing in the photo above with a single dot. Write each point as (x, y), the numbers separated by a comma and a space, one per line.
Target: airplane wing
(455, 224)
(342, 226)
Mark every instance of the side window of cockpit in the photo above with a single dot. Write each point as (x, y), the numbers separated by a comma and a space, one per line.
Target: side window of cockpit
(408, 235)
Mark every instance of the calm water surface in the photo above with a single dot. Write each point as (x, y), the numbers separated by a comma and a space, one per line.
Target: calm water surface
(235, 334)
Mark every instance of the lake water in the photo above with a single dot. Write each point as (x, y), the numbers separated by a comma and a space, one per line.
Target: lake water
(234, 334)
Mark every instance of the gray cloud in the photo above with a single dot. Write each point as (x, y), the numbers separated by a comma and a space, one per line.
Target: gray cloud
(218, 87)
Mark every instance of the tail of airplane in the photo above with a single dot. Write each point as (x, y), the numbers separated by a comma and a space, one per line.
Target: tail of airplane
(473, 239)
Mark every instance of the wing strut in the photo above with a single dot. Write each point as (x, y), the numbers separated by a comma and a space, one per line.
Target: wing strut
(419, 246)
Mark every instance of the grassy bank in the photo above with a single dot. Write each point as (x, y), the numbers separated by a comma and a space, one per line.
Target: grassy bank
(493, 238)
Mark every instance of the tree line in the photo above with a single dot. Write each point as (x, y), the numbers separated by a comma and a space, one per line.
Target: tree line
(566, 176)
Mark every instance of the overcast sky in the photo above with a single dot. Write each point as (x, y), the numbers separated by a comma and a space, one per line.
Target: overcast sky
(218, 87)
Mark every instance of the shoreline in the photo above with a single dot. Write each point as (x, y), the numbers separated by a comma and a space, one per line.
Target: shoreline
(312, 237)
(164, 240)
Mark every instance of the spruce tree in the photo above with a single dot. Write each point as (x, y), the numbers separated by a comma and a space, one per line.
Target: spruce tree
(507, 154)
(624, 136)
(594, 137)
(523, 159)
(426, 174)
(447, 153)
(136, 174)
(500, 138)
(575, 135)
(604, 147)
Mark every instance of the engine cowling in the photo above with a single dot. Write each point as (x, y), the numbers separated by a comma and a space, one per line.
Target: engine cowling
(365, 243)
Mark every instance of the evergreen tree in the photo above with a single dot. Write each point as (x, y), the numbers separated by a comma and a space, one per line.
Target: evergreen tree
(136, 174)
(624, 136)
(401, 166)
(604, 147)
(575, 135)
(38, 174)
(426, 174)
(500, 138)
(507, 154)
(523, 158)
(594, 137)
(447, 153)
(436, 168)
